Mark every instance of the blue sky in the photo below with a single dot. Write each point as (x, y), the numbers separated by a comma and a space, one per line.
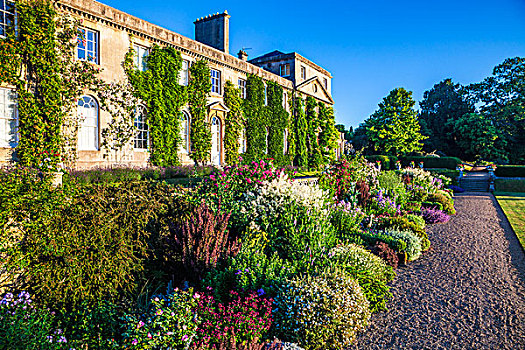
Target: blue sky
(370, 47)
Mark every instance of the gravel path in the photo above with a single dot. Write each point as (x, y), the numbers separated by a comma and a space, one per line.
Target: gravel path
(467, 292)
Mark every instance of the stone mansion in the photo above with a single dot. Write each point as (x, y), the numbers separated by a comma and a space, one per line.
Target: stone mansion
(109, 34)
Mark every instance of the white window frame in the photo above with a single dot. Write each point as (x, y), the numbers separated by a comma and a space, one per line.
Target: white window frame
(285, 141)
(140, 58)
(83, 46)
(265, 94)
(3, 14)
(285, 100)
(8, 118)
(303, 72)
(325, 81)
(284, 70)
(185, 132)
(242, 86)
(140, 123)
(215, 76)
(184, 78)
(86, 123)
(243, 144)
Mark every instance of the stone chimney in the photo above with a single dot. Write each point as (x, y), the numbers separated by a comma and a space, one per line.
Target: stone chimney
(242, 55)
(214, 31)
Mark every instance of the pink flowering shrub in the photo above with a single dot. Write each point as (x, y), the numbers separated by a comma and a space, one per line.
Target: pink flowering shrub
(234, 325)
(234, 181)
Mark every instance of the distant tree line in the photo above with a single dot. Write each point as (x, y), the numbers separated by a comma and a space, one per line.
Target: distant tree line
(485, 120)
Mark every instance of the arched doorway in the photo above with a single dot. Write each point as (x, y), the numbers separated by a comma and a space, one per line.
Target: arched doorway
(216, 140)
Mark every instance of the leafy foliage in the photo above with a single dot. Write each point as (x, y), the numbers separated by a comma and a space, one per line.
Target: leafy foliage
(441, 107)
(370, 271)
(314, 152)
(394, 128)
(86, 244)
(329, 134)
(476, 136)
(278, 124)
(256, 120)
(301, 132)
(386, 253)
(40, 64)
(200, 132)
(342, 310)
(235, 123)
(158, 87)
(201, 240)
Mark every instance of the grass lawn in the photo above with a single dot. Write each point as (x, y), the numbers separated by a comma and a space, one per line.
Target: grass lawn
(513, 205)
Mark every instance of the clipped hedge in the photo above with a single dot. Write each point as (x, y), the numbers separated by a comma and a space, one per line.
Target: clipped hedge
(432, 162)
(510, 171)
(508, 185)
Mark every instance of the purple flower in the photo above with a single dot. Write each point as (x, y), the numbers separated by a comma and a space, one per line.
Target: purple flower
(134, 342)
(260, 292)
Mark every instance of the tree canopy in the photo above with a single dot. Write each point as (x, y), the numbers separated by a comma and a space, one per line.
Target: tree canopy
(394, 128)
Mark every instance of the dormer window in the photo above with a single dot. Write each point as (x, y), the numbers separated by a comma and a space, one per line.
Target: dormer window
(284, 70)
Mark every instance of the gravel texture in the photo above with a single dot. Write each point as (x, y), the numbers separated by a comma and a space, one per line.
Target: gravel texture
(467, 292)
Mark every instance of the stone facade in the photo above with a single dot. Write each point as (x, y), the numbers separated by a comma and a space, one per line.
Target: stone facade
(117, 31)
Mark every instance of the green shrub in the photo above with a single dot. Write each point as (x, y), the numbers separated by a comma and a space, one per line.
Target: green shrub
(507, 185)
(86, 243)
(510, 171)
(369, 270)
(418, 220)
(392, 183)
(413, 243)
(23, 326)
(372, 237)
(404, 224)
(91, 325)
(432, 162)
(252, 270)
(432, 205)
(321, 312)
(445, 200)
(169, 323)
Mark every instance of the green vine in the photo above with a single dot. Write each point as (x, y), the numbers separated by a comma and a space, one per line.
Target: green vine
(256, 123)
(315, 159)
(40, 63)
(200, 131)
(158, 87)
(329, 134)
(234, 122)
(278, 122)
(301, 133)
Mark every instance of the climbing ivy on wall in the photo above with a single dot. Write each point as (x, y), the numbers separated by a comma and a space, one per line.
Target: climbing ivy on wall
(255, 113)
(200, 131)
(278, 122)
(158, 87)
(329, 135)
(290, 155)
(38, 60)
(301, 133)
(315, 159)
(234, 122)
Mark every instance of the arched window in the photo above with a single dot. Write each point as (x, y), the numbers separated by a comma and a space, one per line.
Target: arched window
(216, 141)
(185, 132)
(285, 141)
(242, 142)
(87, 112)
(266, 140)
(141, 140)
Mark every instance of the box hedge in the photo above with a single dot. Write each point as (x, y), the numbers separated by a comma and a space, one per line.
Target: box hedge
(510, 171)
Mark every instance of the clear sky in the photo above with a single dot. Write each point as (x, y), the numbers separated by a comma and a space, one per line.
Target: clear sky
(370, 47)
